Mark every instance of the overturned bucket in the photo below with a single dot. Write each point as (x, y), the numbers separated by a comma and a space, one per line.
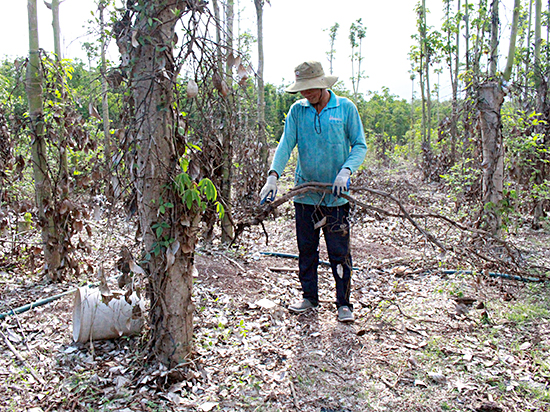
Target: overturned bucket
(96, 317)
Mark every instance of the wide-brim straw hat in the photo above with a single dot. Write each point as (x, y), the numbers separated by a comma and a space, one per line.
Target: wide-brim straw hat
(310, 75)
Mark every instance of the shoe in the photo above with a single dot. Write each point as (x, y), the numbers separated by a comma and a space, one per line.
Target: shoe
(301, 306)
(345, 314)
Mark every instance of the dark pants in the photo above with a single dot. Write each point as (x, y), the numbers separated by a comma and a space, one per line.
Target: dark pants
(336, 232)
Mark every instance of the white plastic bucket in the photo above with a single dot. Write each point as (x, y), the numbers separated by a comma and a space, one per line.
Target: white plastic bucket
(98, 318)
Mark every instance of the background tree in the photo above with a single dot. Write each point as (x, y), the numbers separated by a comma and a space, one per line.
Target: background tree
(333, 31)
(357, 32)
(264, 152)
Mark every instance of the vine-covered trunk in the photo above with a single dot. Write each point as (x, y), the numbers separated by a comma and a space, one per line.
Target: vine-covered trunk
(42, 182)
(169, 250)
(228, 137)
(490, 99)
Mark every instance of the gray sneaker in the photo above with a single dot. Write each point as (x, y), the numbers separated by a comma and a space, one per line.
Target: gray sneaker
(301, 306)
(345, 314)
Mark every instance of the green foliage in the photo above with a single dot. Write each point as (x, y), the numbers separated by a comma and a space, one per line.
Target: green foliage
(462, 179)
(192, 193)
(527, 154)
(333, 30)
(277, 105)
(357, 32)
(385, 113)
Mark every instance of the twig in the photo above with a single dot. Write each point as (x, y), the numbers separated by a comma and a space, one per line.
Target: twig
(294, 397)
(243, 270)
(34, 373)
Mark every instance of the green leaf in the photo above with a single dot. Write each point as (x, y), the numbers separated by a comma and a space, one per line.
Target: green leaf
(220, 210)
(159, 231)
(188, 198)
(184, 164)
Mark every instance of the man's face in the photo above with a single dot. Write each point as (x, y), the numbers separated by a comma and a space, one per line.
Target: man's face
(312, 95)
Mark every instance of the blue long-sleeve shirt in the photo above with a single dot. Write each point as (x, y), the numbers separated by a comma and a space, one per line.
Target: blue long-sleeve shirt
(327, 142)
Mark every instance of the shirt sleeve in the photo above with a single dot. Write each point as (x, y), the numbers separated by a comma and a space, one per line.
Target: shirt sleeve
(287, 143)
(356, 136)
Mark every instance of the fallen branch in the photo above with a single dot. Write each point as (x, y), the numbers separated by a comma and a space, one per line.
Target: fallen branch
(514, 262)
(268, 208)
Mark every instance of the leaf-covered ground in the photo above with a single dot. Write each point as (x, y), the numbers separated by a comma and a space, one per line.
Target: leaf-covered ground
(424, 339)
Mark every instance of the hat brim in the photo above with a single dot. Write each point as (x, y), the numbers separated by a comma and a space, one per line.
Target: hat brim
(323, 82)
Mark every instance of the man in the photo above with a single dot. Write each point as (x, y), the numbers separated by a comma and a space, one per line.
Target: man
(331, 146)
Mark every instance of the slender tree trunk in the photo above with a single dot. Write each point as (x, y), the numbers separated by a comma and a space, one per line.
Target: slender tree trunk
(157, 154)
(493, 59)
(467, 33)
(56, 29)
(42, 182)
(490, 101)
(427, 66)
(425, 91)
(513, 36)
(115, 187)
(264, 151)
(480, 29)
(227, 153)
(538, 43)
(63, 161)
(454, 82)
(541, 107)
(528, 54)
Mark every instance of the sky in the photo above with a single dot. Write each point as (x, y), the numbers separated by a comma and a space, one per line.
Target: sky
(294, 31)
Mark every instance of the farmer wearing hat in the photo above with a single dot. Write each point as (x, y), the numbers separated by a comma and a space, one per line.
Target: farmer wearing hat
(331, 146)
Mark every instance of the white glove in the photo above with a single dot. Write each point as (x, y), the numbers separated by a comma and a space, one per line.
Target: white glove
(269, 190)
(341, 183)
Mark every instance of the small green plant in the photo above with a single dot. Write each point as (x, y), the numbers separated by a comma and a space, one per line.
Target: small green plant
(462, 177)
(242, 329)
(192, 193)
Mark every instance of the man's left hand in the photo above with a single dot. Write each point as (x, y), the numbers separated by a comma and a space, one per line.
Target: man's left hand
(341, 183)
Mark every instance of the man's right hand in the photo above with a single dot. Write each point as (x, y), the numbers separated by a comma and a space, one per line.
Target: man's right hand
(269, 190)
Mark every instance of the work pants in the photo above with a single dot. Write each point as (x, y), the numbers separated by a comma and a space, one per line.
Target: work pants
(337, 237)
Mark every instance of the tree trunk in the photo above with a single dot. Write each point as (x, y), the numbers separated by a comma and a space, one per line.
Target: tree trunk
(454, 82)
(467, 33)
(513, 36)
(264, 150)
(170, 270)
(425, 93)
(525, 95)
(493, 59)
(56, 30)
(228, 135)
(63, 160)
(42, 183)
(114, 189)
(541, 108)
(490, 99)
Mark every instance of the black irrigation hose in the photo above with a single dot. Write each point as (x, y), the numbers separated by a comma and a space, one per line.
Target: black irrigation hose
(40, 302)
(289, 255)
(446, 272)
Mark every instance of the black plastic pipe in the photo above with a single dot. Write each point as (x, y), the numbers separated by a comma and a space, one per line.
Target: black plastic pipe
(290, 255)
